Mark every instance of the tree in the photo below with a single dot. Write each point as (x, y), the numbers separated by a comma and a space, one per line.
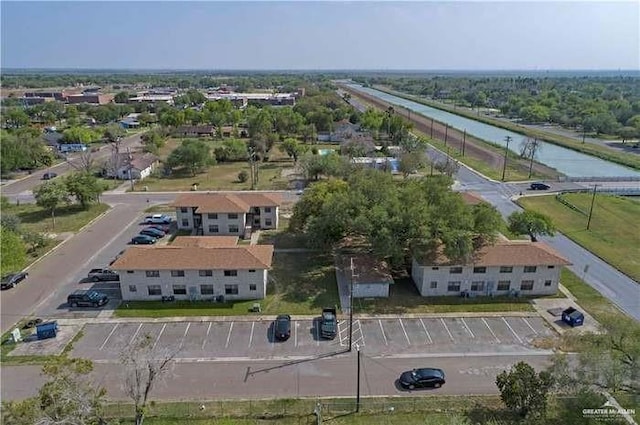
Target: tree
(531, 223)
(411, 163)
(68, 397)
(15, 118)
(312, 201)
(243, 176)
(523, 390)
(144, 367)
(193, 155)
(85, 186)
(79, 135)
(309, 133)
(10, 221)
(50, 195)
(121, 97)
(153, 141)
(293, 148)
(231, 150)
(114, 133)
(22, 150)
(13, 251)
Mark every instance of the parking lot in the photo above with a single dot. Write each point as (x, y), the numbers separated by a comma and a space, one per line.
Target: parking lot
(254, 339)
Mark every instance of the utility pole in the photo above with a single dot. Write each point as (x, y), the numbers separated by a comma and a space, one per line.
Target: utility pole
(353, 275)
(506, 151)
(446, 133)
(464, 140)
(358, 381)
(130, 168)
(533, 149)
(251, 168)
(431, 128)
(593, 199)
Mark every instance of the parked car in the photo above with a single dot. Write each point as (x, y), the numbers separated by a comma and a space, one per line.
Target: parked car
(11, 280)
(164, 227)
(328, 323)
(540, 186)
(154, 233)
(98, 275)
(282, 327)
(421, 378)
(49, 176)
(143, 240)
(82, 298)
(157, 219)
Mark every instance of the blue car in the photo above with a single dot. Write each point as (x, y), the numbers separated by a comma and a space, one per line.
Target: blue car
(154, 233)
(143, 240)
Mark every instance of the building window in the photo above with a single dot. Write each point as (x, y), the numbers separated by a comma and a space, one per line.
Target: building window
(206, 289)
(233, 228)
(152, 273)
(433, 285)
(184, 209)
(529, 269)
(130, 272)
(154, 290)
(230, 273)
(232, 216)
(453, 287)
(133, 288)
(213, 228)
(231, 289)
(455, 270)
(179, 290)
(435, 268)
(551, 267)
(252, 270)
(504, 285)
(177, 273)
(547, 283)
(479, 269)
(212, 216)
(204, 273)
(185, 222)
(526, 285)
(268, 222)
(506, 269)
(477, 286)
(267, 209)
(252, 286)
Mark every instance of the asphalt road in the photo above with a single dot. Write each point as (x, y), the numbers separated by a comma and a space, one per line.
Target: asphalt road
(333, 376)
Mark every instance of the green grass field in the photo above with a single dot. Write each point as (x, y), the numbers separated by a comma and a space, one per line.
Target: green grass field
(613, 233)
(68, 218)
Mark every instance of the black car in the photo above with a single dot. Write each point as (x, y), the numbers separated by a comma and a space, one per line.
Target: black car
(539, 186)
(87, 299)
(143, 240)
(421, 378)
(11, 280)
(49, 176)
(282, 327)
(154, 233)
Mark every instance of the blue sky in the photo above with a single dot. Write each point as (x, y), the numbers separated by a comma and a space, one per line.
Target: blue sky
(452, 35)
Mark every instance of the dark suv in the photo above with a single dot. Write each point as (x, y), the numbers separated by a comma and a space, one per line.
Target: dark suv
(540, 186)
(82, 298)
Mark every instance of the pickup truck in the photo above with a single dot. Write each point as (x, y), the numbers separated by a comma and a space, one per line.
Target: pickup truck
(98, 275)
(328, 323)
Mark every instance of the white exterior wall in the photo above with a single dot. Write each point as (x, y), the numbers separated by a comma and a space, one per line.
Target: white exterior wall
(223, 222)
(192, 279)
(371, 290)
(188, 215)
(424, 275)
(273, 216)
(123, 173)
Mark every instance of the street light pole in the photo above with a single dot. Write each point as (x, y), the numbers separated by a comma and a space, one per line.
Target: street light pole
(351, 307)
(358, 381)
(593, 199)
(506, 151)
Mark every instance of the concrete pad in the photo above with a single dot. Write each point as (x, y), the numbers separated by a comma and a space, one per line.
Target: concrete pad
(543, 305)
(31, 346)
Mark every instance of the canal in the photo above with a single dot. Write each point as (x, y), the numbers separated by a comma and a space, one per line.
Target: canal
(568, 162)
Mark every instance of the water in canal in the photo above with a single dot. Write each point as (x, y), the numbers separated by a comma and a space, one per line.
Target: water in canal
(566, 161)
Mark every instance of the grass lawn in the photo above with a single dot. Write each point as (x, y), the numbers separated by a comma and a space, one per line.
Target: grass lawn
(612, 235)
(68, 219)
(404, 298)
(300, 283)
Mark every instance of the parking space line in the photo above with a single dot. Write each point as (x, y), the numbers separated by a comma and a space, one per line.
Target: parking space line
(524, 319)
(405, 331)
(135, 334)
(491, 330)
(383, 335)
(108, 336)
(159, 335)
(467, 327)
(361, 338)
(184, 336)
(426, 331)
(207, 337)
(253, 325)
(447, 329)
(229, 336)
(512, 331)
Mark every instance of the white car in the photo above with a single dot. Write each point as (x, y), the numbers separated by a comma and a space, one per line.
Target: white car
(157, 219)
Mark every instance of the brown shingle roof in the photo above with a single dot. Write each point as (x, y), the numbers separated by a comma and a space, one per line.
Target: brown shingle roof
(508, 253)
(170, 257)
(206, 241)
(226, 202)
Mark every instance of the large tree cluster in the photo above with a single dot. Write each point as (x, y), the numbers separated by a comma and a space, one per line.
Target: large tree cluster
(395, 219)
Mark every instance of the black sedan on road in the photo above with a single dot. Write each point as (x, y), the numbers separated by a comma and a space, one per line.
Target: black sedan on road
(421, 378)
(11, 280)
(282, 327)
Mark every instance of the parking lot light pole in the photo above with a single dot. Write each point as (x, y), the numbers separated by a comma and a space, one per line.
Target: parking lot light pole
(351, 308)
(358, 381)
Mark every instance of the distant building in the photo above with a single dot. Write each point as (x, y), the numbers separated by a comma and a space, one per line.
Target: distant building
(130, 166)
(195, 131)
(93, 98)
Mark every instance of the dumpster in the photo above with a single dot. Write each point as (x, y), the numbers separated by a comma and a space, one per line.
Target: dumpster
(573, 317)
(47, 330)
